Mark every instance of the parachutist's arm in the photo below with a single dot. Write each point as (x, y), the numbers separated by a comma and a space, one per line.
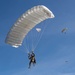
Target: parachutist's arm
(29, 56)
(33, 54)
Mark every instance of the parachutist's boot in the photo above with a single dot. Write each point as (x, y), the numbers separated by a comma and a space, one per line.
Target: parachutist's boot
(29, 66)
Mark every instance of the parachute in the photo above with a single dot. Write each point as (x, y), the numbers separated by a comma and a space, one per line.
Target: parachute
(25, 23)
(38, 29)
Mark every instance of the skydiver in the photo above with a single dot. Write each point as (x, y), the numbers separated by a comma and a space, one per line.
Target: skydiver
(64, 30)
(32, 59)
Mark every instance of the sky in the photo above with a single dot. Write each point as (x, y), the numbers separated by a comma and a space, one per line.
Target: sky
(55, 51)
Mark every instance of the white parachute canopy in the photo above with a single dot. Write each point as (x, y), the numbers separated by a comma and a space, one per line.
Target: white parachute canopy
(25, 23)
(38, 29)
(15, 46)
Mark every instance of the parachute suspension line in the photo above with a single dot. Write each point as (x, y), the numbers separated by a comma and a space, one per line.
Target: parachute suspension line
(35, 39)
(32, 37)
(27, 42)
(25, 47)
(40, 35)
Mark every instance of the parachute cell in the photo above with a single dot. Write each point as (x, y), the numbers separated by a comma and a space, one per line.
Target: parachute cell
(25, 23)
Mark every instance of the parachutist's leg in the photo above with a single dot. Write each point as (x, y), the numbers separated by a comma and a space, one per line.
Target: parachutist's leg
(34, 62)
(29, 64)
